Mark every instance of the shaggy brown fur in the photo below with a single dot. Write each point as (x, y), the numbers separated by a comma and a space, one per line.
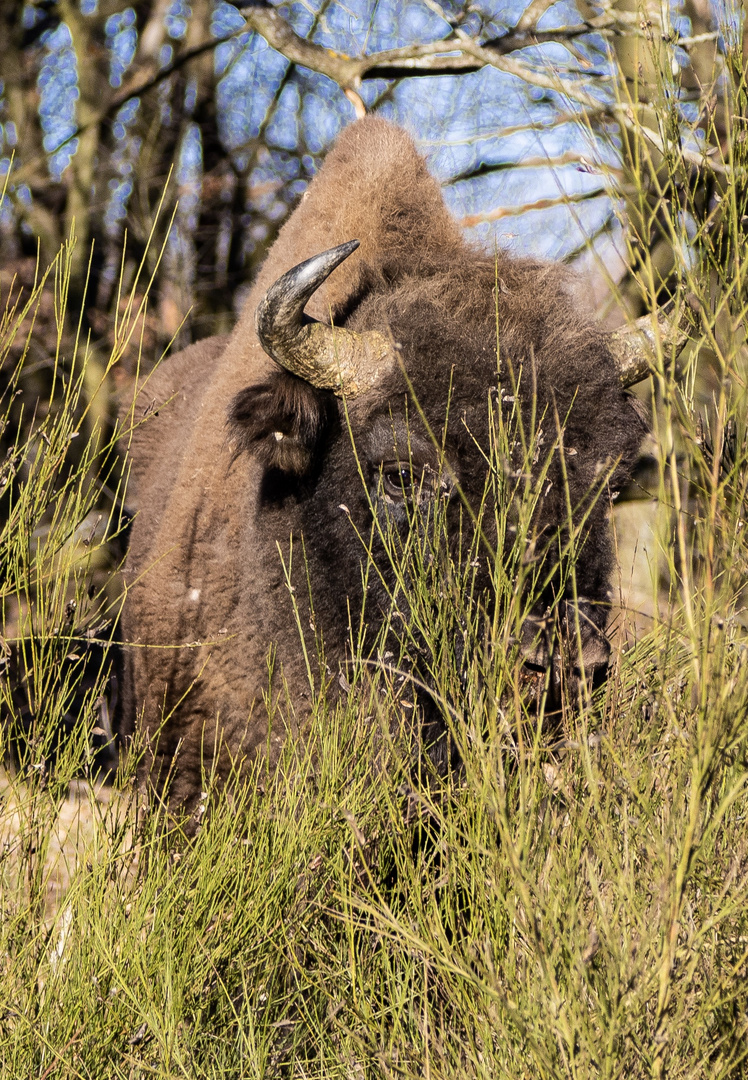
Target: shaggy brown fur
(207, 600)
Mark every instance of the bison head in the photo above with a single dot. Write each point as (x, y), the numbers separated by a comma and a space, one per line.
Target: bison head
(387, 426)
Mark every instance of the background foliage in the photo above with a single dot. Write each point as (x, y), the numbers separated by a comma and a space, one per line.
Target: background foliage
(102, 101)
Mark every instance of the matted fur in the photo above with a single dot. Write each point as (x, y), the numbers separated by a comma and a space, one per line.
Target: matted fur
(207, 601)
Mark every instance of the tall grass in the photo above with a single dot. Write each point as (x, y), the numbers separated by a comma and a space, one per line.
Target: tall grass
(570, 902)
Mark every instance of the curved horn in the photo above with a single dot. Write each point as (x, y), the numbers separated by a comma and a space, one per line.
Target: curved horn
(330, 358)
(634, 346)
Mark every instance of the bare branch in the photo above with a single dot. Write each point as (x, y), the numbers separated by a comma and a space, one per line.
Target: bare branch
(456, 53)
(533, 13)
(541, 161)
(540, 204)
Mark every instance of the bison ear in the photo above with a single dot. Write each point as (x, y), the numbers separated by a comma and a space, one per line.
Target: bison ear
(282, 422)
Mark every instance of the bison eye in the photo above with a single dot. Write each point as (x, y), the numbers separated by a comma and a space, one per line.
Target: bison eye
(401, 481)
(410, 482)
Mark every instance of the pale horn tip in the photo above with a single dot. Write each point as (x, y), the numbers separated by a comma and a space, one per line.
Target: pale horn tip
(635, 347)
